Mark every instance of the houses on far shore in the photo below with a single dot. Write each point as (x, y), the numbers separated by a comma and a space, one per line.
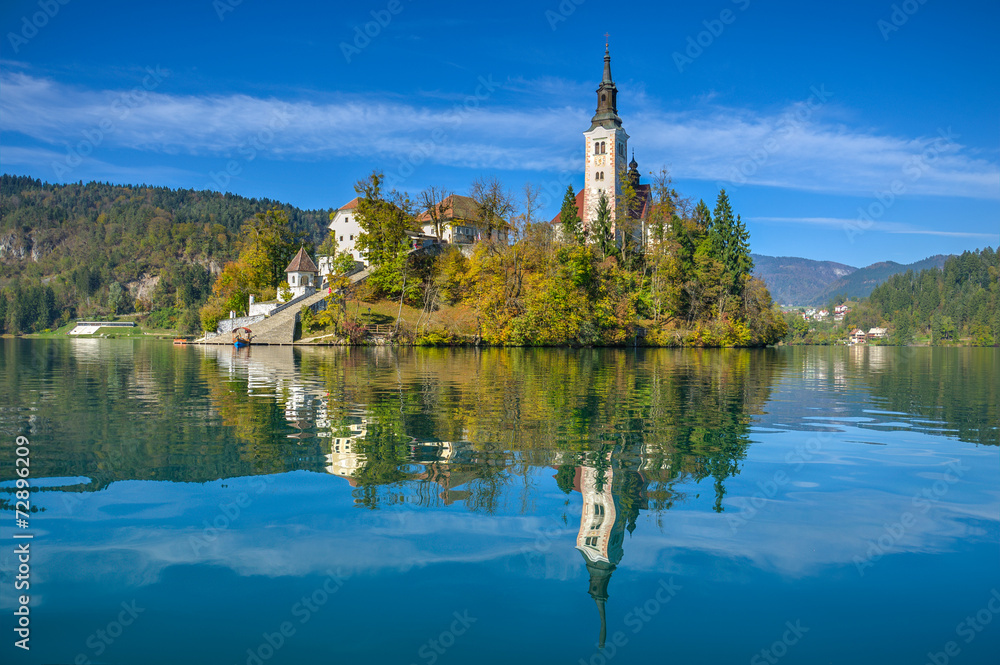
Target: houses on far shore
(812, 314)
(859, 336)
(854, 336)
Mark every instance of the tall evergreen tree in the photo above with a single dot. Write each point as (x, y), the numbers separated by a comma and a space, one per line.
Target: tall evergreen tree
(569, 218)
(603, 231)
(730, 243)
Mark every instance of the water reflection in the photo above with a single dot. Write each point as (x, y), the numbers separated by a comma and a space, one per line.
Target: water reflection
(624, 432)
(385, 461)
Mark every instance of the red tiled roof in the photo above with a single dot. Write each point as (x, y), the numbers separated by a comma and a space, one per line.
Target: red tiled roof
(579, 208)
(643, 194)
(458, 207)
(350, 205)
(302, 263)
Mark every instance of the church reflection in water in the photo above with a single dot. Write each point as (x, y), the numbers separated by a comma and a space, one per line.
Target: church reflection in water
(372, 451)
(602, 532)
(603, 520)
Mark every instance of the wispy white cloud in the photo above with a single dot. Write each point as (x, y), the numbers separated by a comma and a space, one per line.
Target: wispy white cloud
(40, 160)
(885, 227)
(794, 148)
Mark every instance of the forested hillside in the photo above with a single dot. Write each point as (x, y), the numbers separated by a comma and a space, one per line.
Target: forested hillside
(797, 281)
(861, 282)
(959, 301)
(96, 249)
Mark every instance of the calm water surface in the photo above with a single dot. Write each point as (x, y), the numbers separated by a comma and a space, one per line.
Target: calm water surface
(279, 505)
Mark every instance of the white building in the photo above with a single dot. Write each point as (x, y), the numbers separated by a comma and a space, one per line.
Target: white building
(345, 227)
(460, 224)
(303, 275)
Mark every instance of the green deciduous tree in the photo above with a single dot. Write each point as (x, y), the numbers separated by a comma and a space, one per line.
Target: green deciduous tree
(385, 220)
(268, 245)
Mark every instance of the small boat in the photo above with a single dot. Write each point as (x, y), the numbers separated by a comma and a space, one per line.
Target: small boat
(242, 337)
(180, 341)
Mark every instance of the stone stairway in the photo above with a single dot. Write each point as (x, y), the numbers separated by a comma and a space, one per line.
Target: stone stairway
(280, 328)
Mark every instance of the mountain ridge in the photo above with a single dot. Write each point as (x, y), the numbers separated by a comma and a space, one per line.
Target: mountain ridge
(795, 280)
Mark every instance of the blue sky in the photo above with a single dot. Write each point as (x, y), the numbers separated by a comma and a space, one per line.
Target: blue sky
(847, 131)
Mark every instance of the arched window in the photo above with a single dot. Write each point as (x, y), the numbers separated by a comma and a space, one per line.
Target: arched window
(604, 148)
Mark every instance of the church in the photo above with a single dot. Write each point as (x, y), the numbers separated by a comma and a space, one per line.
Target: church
(606, 150)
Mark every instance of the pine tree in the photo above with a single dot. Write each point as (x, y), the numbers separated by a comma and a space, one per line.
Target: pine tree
(730, 243)
(572, 225)
(603, 232)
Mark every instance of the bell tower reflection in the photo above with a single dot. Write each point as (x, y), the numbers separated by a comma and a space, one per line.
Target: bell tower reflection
(602, 530)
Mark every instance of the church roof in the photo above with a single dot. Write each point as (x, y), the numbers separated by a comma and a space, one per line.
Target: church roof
(644, 201)
(579, 208)
(302, 263)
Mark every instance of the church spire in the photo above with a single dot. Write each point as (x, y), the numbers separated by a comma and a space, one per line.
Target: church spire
(607, 98)
(607, 66)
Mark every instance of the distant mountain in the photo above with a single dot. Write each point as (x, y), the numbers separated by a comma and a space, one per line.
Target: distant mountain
(796, 281)
(860, 283)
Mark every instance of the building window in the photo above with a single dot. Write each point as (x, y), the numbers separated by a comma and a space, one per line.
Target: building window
(341, 238)
(351, 237)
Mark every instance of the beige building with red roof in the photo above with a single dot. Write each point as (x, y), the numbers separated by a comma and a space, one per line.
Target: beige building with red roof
(460, 223)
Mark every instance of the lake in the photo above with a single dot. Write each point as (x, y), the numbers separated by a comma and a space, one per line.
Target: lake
(380, 505)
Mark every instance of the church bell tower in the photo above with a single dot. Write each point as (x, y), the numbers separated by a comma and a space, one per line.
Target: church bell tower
(607, 149)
